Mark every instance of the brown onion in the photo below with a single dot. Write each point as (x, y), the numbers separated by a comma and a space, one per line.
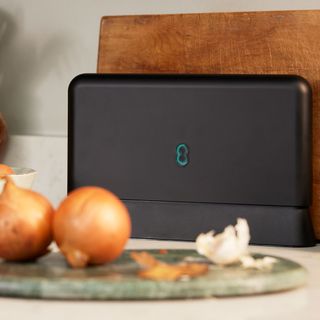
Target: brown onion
(25, 223)
(91, 226)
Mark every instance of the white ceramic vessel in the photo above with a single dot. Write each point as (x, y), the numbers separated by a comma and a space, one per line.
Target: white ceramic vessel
(23, 177)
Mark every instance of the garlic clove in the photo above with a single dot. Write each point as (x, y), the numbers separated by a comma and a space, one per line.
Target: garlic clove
(243, 232)
(226, 247)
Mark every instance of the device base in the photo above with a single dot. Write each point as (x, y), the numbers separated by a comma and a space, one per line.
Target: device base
(269, 225)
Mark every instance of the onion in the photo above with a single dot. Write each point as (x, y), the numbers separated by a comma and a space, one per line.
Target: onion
(25, 223)
(91, 227)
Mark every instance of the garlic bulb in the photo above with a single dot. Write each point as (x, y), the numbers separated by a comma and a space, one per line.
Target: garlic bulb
(226, 247)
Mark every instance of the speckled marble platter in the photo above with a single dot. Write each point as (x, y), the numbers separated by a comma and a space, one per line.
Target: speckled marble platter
(51, 278)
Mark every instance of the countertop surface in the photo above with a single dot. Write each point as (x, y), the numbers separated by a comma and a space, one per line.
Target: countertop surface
(299, 304)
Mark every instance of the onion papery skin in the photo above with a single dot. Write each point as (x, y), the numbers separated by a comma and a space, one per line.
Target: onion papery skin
(25, 223)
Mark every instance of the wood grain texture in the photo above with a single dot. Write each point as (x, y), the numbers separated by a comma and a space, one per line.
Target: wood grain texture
(278, 42)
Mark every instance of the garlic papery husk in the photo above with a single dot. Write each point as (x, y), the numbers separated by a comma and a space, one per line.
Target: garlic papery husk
(248, 262)
(226, 247)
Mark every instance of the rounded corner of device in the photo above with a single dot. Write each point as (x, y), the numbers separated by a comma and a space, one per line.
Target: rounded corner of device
(303, 85)
(76, 81)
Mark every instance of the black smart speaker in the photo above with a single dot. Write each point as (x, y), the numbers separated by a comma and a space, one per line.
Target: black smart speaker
(190, 153)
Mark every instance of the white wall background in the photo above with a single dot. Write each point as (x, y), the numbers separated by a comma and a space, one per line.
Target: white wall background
(44, 44)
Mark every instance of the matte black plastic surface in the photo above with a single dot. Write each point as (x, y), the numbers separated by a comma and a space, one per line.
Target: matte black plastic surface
(248, 140)
(269, 225)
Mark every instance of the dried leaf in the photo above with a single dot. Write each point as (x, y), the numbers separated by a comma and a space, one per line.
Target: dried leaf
(158, 270)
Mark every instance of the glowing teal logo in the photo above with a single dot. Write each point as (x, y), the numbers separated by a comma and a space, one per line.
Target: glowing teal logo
(182, 155)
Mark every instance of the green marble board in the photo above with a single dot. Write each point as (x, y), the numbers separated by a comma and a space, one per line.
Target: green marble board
(51, 278)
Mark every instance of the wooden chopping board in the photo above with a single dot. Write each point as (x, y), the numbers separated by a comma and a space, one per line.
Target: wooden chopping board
(279, 42)
(51, 278)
